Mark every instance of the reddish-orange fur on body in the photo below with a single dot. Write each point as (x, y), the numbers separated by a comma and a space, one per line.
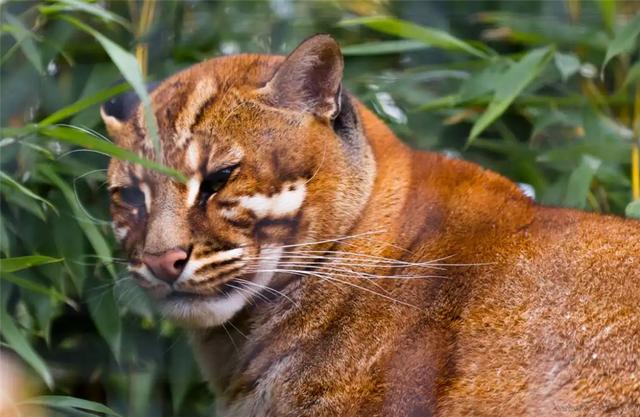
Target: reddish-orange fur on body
(532, 311)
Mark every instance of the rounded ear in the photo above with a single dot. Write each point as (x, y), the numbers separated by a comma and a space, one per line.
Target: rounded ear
(310, 78)
(113, 124)
(119, 109)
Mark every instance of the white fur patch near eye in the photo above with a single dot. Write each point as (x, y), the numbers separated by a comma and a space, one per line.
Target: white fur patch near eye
(147, 195)
(285, 203)
(120, 232)
(192, 155)
(193, 188)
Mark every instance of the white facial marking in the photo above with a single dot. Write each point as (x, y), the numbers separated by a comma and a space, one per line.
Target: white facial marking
(287, 202)
(193, 187)
(120, 232)
(192, 155)
(214, 312)
(147, 195)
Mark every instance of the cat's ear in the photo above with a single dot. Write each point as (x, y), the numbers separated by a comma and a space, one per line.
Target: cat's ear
(310, 78)
(119, 109)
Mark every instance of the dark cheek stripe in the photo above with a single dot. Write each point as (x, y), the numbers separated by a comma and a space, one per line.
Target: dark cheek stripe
(280, 229)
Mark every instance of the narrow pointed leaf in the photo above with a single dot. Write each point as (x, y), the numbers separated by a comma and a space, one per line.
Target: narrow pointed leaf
(428, 36)
(514, 81)
(383, 48)
(88, 141)
(83, 103)
(64, 402)
(130, 70)
(24, 38)
(624, 40)
(83, 6)
(24, 262)
(19, 343)
(10, 182)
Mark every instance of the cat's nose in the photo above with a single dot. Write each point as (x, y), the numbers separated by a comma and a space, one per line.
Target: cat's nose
(167, 266)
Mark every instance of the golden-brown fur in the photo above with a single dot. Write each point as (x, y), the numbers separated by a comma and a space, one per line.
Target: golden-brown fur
(420, 285)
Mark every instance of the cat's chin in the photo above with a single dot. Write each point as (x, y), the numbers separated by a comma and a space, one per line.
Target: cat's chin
(199, 311)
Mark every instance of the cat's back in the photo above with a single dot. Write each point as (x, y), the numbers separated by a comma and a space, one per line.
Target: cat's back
(547, 299)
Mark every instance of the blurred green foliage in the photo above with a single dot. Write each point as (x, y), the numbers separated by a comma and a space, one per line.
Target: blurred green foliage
(544, 92)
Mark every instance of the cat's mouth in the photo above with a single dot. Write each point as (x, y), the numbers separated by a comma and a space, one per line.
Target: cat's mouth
(209, 293)
(222, 290)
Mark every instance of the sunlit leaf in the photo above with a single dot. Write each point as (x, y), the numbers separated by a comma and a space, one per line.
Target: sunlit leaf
(383, 48)
(429, 36)
(24, 262)
(64, 402)
(513, 82)
(580, 182)
(633, 210)
(19, 343)
(624, 40)
(84, 6)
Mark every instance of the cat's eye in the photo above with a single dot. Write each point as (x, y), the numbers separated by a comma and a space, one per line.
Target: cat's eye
(214, 182)
(132, 196)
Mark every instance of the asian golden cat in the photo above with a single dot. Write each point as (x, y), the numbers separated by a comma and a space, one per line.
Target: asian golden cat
(325, 269)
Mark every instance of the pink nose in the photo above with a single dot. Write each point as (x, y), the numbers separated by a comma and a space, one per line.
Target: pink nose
(168, 265)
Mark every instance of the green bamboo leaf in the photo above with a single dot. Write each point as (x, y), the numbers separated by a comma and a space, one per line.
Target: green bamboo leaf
(408, 30)
(130, 70)
(35, 287)
(19, 343)
(580, 182)
(24, 262)
(83, 6)
(181, 371)
(5, 245)
(608, 12)
(83, 103)
(86, 140)
(24, 38)
(567, 64)
(106, 316)
(382, 48)
(633, 75)
(623, 41)
(10, 182)
(633, 210)
(96, 239)
(64, 402)
(513, 82)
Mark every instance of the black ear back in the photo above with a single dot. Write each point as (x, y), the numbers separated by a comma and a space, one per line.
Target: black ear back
(122, 106)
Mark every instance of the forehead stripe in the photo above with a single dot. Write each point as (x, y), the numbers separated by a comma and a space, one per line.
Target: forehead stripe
(201, 96)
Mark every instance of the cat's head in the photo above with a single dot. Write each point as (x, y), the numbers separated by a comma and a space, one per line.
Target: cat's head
(275, 158)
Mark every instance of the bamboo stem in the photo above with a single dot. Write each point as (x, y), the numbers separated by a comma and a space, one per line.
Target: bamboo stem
(635, 149)
(144, 24)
